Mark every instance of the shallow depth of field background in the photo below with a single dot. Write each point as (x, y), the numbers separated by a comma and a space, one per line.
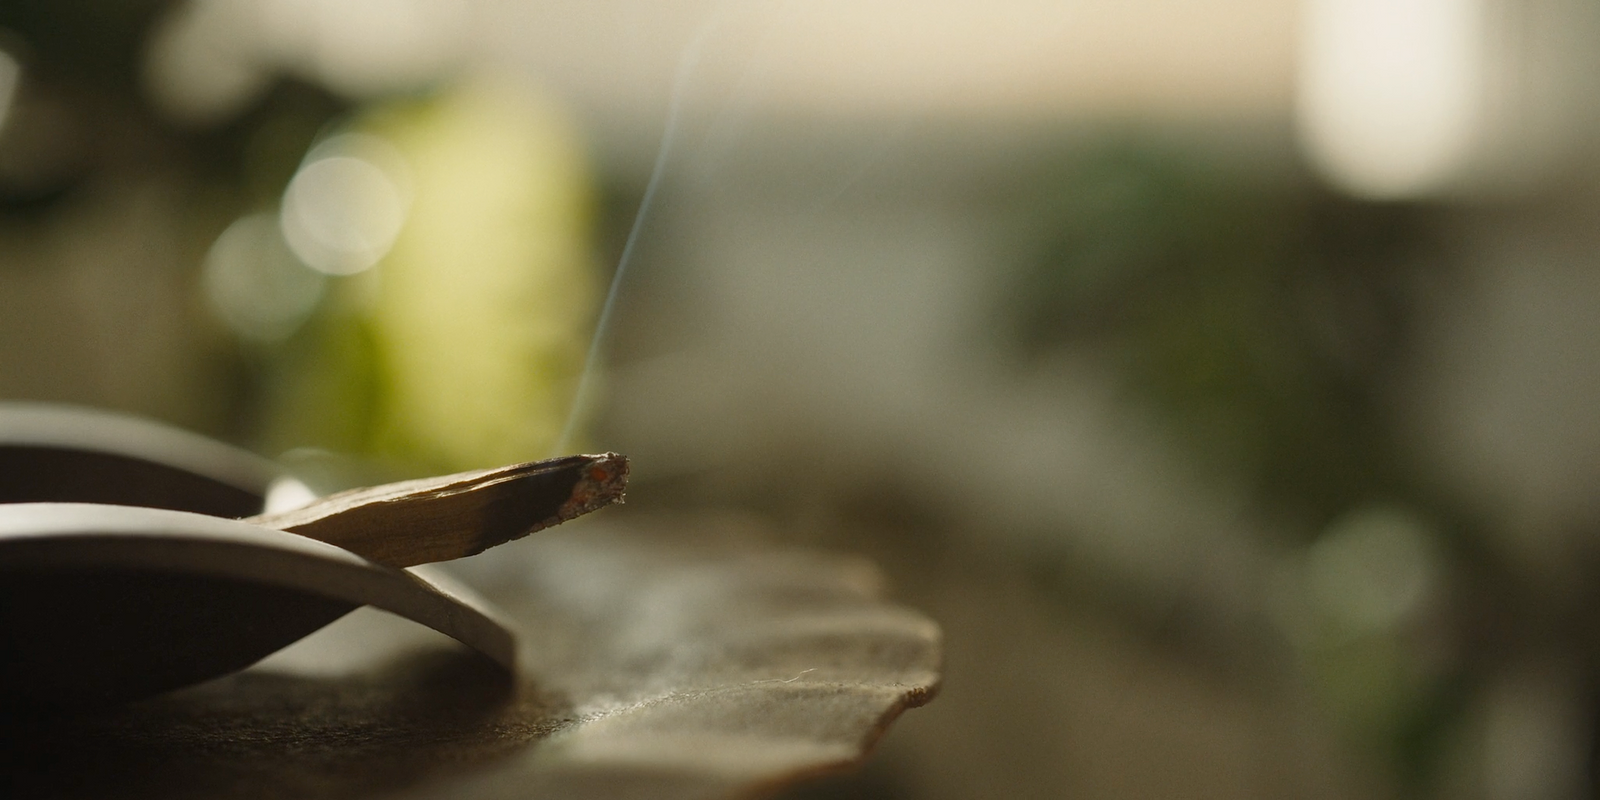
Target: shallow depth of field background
(1219, 373)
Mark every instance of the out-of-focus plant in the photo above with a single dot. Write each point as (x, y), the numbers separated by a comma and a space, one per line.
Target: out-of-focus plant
(1259, 320)
(398, 251)
(1257, 316)
(459, 346)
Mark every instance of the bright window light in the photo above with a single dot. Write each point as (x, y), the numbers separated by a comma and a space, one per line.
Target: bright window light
(1389, 92)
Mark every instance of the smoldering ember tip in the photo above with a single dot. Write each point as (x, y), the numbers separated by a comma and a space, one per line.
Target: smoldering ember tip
(453, 516)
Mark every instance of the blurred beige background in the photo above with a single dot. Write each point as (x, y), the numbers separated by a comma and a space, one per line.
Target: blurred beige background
(1217, 372)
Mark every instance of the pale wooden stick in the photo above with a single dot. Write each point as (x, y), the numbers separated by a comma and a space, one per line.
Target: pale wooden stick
(439, 519)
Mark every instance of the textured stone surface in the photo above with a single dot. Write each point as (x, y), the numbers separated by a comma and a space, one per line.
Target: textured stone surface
(661, 659)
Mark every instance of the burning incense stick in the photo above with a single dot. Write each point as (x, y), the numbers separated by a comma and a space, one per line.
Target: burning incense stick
(453, 516)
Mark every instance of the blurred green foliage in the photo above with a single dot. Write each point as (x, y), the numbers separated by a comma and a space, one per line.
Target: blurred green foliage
(1258, 320)
(1256, 316)
(92, 43)
(461, 349)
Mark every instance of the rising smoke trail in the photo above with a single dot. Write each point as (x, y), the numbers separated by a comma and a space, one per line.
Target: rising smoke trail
(680, 84)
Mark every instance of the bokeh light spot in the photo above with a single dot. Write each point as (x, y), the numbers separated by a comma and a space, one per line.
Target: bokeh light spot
(1389, 92)
(254, 283)
(1373, 570)
(343, 210)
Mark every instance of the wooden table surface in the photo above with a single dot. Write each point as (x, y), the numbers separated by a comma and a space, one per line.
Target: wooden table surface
(660, 658)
